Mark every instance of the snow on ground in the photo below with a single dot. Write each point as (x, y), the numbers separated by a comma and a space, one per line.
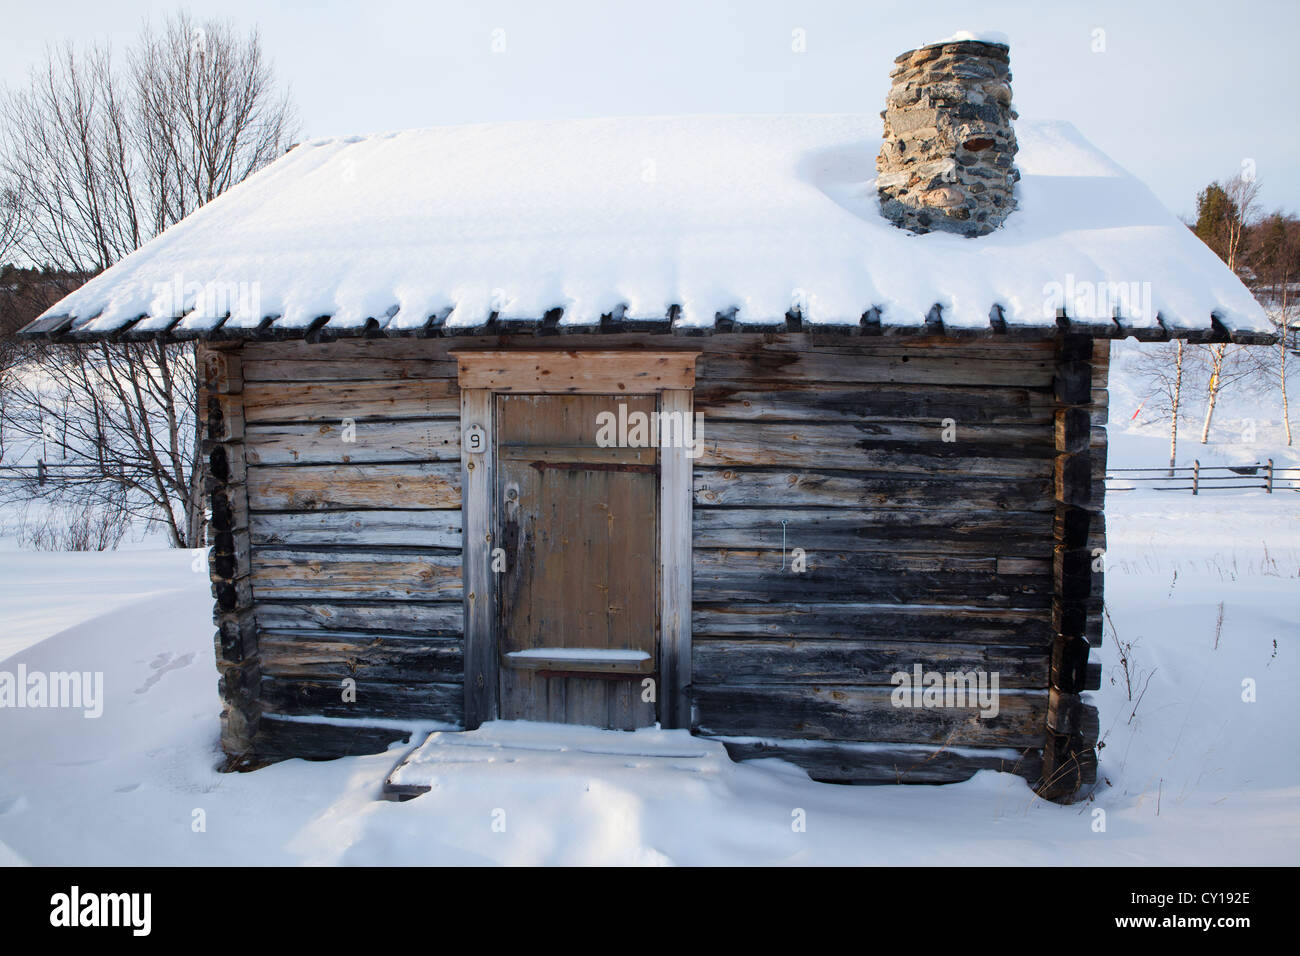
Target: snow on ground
(1195, 776)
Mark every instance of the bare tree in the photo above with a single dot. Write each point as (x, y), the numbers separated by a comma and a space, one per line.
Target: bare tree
(1161, 368)
(104, 160)
(10, 219)
(208, 113)
(1288, 323)
(1276, 264)
(1243, 193)
(1228, 364)
(1225, 365)
(117, 418)
(68, 148)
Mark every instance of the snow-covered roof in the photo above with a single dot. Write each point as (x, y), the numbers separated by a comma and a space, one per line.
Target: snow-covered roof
(687, 222)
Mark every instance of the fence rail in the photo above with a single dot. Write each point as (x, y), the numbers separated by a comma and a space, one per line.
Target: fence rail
(1196, 478)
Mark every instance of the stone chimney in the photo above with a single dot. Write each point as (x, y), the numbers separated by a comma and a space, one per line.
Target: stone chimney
(947, 162)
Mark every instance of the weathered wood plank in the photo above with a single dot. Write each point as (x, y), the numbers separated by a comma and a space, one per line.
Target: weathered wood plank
(266, 402)
(397, 617)
(807, 621)
(278, 738)
(817, 402)
(844, 712)
(874, 365)
(329, 443)
(355, 575)
(787, 488)
(846, 447)
(675, 575)
(801, 661)
(1009, 534)
(312, 656)
(833, 576)
(342, 368)
(598, 371)
(343, 487)
(429, 529)
(477, 473)
(373, 699)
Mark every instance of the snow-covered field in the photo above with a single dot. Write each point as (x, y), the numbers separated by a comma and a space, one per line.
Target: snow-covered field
(1191, 773)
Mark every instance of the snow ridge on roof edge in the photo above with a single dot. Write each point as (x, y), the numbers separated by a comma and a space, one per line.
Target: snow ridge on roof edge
(60, 328)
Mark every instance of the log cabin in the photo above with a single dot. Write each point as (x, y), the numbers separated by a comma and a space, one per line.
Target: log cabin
(769, 428)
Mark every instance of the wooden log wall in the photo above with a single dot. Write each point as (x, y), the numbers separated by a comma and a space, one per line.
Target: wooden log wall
(342, 556)
(351, 462)
(918, 550)
(221, 426)
(1069, 755)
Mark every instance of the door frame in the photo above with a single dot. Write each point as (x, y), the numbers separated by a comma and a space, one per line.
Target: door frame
(482, 375)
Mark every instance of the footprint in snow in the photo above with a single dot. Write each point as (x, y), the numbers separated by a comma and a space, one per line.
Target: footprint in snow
(161, 665)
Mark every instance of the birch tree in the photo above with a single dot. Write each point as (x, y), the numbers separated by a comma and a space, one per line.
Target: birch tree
(1224, 215)
(1161, 368)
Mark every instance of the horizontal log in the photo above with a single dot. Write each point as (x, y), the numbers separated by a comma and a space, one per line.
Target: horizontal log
(870, 764)
(374, 575)
(397, 617)
(312, 656)
(329, 443)
(834, 576)
(346, 369)
(588, 371)
(762, 444)
(430, 529)
(816, 402)
(808, 621)
(438, 349)
(788, 488)
(841, 712)
(797, 661)
(334, 401)
(374, 699)
(344, 487)
(914, 365)
(277, 738)
(1010, 534)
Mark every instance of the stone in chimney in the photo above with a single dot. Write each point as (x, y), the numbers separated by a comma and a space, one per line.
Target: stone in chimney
(947, 162)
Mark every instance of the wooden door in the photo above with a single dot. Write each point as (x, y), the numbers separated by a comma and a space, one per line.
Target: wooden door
(578, 596)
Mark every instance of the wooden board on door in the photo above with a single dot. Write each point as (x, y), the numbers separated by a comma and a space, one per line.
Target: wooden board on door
(578, 525)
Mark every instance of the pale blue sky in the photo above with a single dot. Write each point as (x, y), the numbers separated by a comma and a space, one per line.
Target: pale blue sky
(1183, 92)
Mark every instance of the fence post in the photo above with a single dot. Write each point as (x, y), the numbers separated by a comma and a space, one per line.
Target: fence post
(1269, 484)
(1196, 476)
(40, 471)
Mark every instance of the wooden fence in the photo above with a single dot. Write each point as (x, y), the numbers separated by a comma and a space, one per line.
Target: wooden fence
(1197, 478)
